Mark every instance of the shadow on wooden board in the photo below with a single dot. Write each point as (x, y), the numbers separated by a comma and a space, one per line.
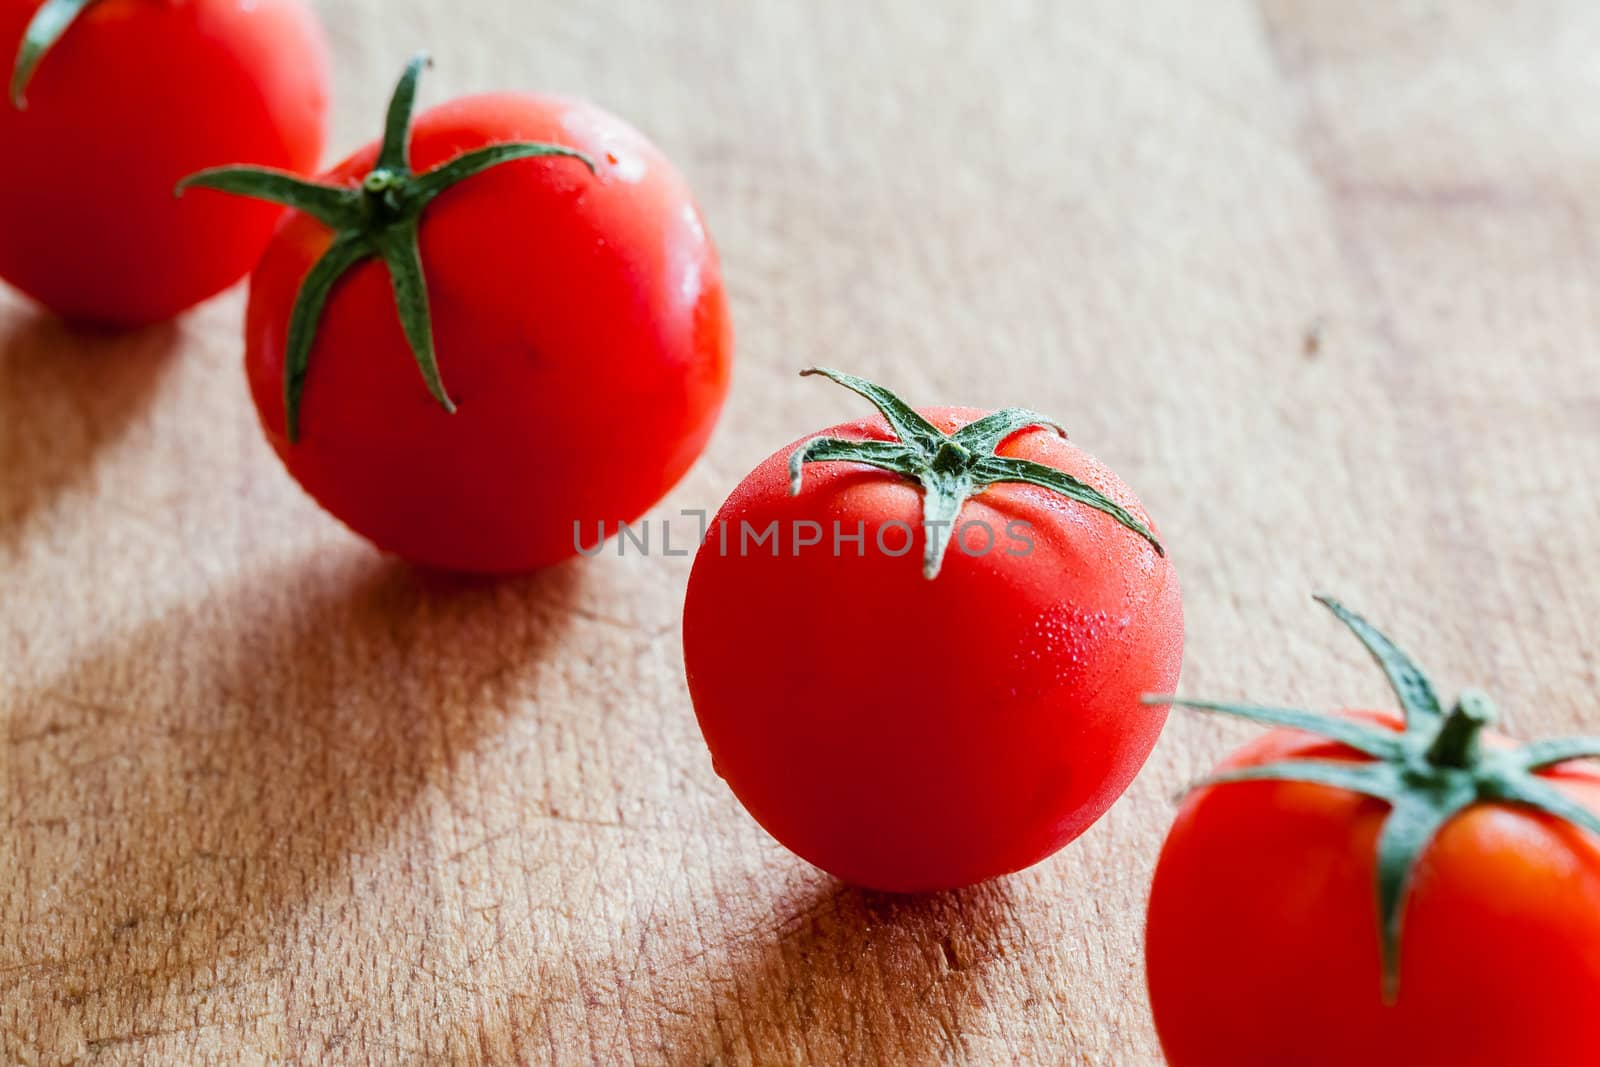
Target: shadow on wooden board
(66, 393)
(288, 733)
(845, 975)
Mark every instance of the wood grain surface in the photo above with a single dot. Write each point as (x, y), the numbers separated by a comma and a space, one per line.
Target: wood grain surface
(1318, 279)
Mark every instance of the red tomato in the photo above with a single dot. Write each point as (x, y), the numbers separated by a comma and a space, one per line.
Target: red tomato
(1263, 940)
(582, 332)
(911, 734)
(134, 96)
(1261, 947)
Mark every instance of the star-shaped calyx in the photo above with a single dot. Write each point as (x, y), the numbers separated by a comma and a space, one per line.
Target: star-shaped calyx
(1428, 774)
(378, 218)
(951, 468)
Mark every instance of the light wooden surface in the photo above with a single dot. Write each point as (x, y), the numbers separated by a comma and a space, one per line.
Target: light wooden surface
(1318, 279)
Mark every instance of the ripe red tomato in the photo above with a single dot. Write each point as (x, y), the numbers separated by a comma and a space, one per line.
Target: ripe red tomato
(580, 326)
(907, 733)
(1265, 940)
(134, 96)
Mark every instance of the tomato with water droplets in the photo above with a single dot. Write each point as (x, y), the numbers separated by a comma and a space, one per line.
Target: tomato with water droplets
(907, 732)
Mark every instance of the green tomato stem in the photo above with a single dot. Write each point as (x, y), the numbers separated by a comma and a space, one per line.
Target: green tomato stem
(1432, 772)
(378, 219)
(950, 468)
(1458, 744)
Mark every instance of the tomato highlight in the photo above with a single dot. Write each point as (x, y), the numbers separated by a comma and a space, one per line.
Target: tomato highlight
(545, 272)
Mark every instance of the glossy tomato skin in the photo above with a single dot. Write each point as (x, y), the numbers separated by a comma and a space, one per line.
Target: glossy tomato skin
(1262, 943)
(136, 96)
(907, 734)
(581, 327)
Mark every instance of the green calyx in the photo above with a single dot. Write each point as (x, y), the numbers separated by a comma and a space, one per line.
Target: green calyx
(950, 468)
(1429, 773)
(47, 27)
(378, 219)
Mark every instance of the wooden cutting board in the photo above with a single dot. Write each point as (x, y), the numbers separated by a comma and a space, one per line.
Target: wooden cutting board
(1318, 279)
